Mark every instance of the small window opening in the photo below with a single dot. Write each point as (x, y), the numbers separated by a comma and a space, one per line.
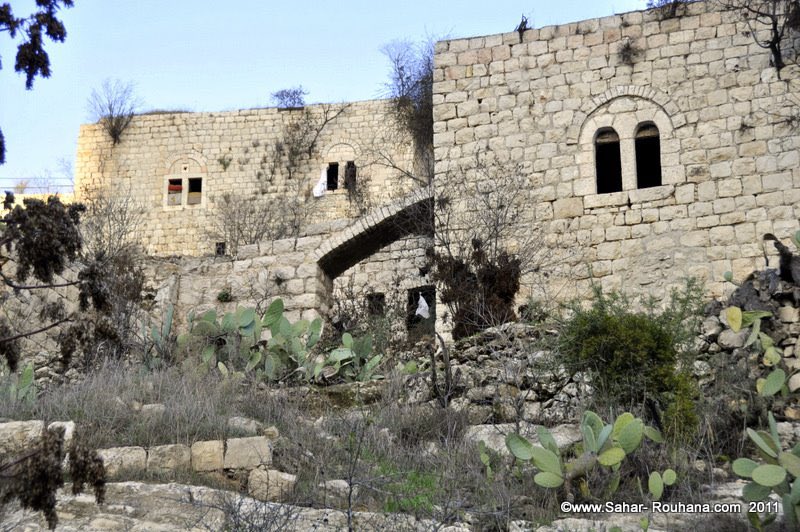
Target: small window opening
(350, 175)
(195, 196)
(608, 161)
(333, 176)
(219, 249)
(416, 324)
(648, 156)
(376, 304)
(174, 191)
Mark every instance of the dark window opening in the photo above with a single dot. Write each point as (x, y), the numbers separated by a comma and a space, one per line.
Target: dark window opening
(219, 249)
(648, 156)
(333, 176)
(195, 196)
(376, 304)
(350, 175)
(416, 324)
(174, 191)
(608, 161)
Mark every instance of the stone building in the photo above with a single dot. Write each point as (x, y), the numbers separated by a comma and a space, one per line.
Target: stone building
(177, 167)
(650, 148)
(324, 173)
(639, 150)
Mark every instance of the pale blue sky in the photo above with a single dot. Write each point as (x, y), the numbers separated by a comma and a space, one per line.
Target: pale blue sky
(203, 55)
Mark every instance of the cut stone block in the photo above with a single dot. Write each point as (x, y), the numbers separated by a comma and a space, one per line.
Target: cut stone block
(207, 455)
(169, 457)
(247, 453)
(117, 459)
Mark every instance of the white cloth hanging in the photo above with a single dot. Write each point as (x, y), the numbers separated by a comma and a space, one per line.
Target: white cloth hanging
(422, 308)
(322, 185)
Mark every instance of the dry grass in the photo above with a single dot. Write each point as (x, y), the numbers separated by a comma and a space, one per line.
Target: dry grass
(104, 406)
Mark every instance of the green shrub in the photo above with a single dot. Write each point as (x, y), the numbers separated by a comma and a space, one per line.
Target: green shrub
(633, 357)
(629, 354)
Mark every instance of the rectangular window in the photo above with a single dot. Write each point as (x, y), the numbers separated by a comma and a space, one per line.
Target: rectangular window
(350, 175)
(417, 324)
(195, 196)
(333, 176)
(219, 249)
(174, 191)
(376, 304)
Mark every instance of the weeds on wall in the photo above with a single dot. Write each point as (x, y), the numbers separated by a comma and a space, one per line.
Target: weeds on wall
(113, 107)
(300, 133)
(410, 90)
(628, 52)
(669, 8)
(225, 161)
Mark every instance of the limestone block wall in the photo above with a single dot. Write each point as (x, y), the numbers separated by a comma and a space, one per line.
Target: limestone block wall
(549, 100)
(283, 268)
(176, 166)
(292, 269)
(392, 271)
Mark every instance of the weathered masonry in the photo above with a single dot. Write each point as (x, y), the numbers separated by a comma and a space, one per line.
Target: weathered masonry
(639, 170)
(647, 149)
(336, 161)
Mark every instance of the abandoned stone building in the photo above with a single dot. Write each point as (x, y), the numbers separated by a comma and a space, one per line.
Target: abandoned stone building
(643, 149)
(308, 176)
(652, 148)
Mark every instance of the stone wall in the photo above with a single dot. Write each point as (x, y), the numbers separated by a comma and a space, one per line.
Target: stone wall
(162, 157)
(729, 157)
(307, 271)
(393, 271)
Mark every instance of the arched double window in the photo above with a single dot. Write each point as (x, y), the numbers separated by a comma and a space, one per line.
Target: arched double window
(608, 161)
(648, 156)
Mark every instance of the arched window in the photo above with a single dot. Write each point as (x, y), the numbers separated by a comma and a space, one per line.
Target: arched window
(648, 156)
(607, 161)
(350, 175)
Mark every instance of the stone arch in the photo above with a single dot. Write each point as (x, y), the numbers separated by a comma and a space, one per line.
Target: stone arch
(342, 151)
(372, 232)
(174, 163)
(589, 108)
(625, 114)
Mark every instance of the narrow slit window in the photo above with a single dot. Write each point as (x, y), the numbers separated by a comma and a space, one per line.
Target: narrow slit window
(174, 191)
(333, 176)
(350, 175)
(195, 196)
(608, 161)
(648, 156)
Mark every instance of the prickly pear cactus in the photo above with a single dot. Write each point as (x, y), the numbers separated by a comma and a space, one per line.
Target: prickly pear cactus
(604, 445)
(779, 473)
